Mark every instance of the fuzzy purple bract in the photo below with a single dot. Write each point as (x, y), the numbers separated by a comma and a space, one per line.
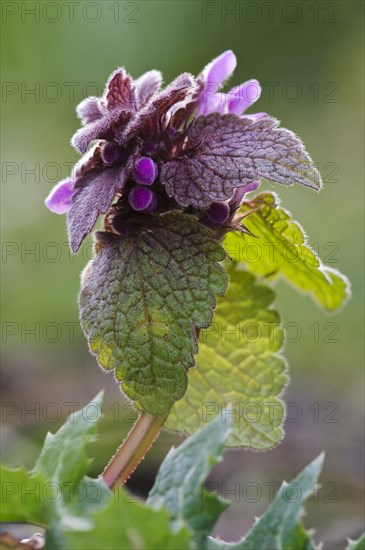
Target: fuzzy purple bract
(192, 144)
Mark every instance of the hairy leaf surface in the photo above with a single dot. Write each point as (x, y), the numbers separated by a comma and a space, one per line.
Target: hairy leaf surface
(92, 199)
(77, 495)
(280, 528)
(79, 512)
(239, 363)
(20, 497)
(178, 486)
(227, 151)
(121, 91)
(282, 249)
(129, 525)
(142, 298)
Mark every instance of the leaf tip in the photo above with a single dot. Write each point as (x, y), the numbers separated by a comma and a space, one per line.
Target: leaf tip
(317, 463)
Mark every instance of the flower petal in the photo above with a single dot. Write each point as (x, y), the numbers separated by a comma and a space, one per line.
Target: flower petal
(212, 78)
(60, 198)
(212, 103)
(243, 96)
(218, 70)
(240, 192)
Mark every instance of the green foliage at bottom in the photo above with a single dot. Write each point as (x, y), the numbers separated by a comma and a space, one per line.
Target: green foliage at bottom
(81, 513)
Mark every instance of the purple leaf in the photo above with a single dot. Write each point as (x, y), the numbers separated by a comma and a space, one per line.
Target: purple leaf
(89, 110)
(147, 85)
(103, 116)
(92, 198)
(146, 122)
(104, 128)
(224, 152)
(120, 92)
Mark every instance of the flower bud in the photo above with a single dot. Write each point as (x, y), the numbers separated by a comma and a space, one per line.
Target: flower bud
(218, 212)
(145, 171)
(111, 153)
(142, 199)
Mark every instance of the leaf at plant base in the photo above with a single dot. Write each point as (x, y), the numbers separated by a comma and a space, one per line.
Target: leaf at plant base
(238, 363)
(356, 544)
(22, 497)
(80, 518)
(178, 485)
(63, 463)
(129, 525)
(143, 295)
(282, 249)
(280, 528)
(226, 151)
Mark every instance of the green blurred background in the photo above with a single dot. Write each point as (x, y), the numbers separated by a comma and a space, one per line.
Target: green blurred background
(309, 58)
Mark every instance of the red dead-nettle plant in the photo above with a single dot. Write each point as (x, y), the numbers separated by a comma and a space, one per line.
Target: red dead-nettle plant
(171, 171)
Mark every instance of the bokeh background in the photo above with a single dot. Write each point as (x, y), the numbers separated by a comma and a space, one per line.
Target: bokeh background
(309, 58)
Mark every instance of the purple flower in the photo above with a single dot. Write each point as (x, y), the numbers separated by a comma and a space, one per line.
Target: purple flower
(142, 199)
(218, 212)
(240, 193)
(145, 171)
(149, 151)
(60, 198)
(211, 80)
(237, 100)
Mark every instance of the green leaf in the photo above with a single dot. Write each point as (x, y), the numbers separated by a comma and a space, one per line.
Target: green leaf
(238, 363)
(22, 497)
(63, 463)
(282, 249)
(356, 544)
(142, 297)
(178, 485)
(128, 525)
(79, 512)
(57, 494)
(280, 526)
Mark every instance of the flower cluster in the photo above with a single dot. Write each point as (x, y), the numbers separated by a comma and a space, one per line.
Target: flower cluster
(187, 147)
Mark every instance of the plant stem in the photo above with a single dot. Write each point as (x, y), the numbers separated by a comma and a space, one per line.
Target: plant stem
(133, 449)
